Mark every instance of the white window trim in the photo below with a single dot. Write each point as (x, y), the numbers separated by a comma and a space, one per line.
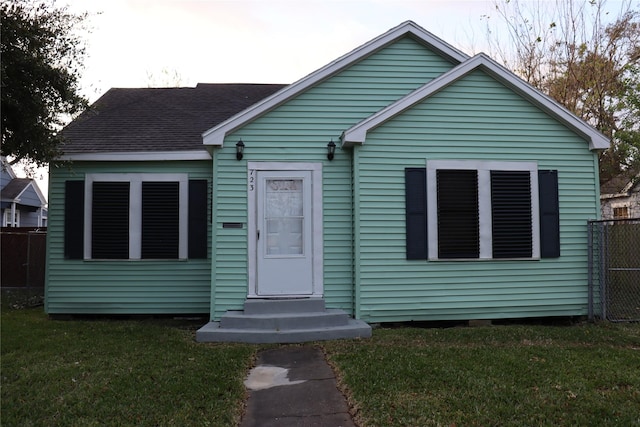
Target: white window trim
(9, 219)
(484, 169)
(135, 208)
(624, 206)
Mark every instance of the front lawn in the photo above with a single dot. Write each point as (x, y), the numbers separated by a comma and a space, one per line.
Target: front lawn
(499, 375)
(152, 373)
(117, 373)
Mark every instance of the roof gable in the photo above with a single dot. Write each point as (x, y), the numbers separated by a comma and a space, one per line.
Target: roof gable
(357, 133)
(18, 187)
(620, 185)
(215, 136)
(7, 170)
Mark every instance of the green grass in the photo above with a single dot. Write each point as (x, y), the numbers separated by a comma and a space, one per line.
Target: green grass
(119, 373)
(500, 375)
(151, 372)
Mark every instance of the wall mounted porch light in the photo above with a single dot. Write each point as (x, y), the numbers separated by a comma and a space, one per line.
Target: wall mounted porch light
(239, 150)
(331, 149)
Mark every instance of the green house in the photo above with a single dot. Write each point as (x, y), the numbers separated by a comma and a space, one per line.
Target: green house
(403, 181)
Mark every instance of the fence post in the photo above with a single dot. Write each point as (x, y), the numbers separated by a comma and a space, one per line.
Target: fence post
(590, 225)
(601, 273)
(28, 259)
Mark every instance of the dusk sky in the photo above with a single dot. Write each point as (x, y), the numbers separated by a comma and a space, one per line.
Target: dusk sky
(251, 41)
(143, 43)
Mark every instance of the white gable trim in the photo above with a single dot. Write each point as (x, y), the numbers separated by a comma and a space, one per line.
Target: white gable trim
(139, 156)
(358, 133)
(632, 182)
(31, 184)
(215, 136)
(36, 189)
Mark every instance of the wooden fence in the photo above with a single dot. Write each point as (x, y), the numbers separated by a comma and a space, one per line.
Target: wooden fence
(23, 253)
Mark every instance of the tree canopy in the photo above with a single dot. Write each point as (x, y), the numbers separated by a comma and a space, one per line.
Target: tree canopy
(586, 58)
(42, 56)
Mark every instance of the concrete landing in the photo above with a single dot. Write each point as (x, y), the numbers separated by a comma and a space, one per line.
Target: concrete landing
(283, 321)
(294, 386)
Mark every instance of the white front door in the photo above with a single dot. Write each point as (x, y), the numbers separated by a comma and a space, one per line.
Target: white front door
(284, 233)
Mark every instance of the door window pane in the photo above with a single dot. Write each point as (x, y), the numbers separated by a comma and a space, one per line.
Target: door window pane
(284, 216)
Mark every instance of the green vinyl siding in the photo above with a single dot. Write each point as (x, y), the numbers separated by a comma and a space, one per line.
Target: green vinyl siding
(298, 131)
(476, 118)
(121, 286)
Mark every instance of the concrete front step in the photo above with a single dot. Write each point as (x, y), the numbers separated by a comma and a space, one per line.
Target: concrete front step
(212, 332)
(291, 305)
(281, 321)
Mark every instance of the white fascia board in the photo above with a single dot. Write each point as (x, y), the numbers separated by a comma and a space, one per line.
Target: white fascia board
(32, 184)
(357, 134)
(632, 182)
(18, 197)
(139, 156)
(215, 136)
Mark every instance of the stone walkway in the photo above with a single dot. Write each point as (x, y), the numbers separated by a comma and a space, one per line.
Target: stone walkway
(294, 386)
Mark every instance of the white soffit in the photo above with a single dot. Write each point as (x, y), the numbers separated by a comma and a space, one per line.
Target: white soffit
(215, 136)
(357, 134)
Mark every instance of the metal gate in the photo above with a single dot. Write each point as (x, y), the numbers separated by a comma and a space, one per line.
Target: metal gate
(614, 270)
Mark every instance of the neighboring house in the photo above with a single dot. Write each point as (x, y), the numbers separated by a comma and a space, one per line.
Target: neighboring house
(620, 198)
(456, 191)
(22, 202)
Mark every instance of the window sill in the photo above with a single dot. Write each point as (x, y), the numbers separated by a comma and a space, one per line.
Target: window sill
(137, 260)
(481, 259)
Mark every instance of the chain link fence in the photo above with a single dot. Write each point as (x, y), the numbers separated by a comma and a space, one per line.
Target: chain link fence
(614, 270)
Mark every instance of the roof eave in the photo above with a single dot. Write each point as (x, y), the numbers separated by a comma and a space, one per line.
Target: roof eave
(215, 136)
(138, 156)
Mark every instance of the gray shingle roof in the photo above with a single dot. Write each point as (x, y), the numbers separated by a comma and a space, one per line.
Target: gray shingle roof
(14, 188)
(158, 119)
(621, 183)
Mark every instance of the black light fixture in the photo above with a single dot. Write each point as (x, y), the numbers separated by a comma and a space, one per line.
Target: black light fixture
(331, 149)
(239, 150)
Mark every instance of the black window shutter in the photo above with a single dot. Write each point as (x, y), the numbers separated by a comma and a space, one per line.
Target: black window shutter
(458, 216)
(198, 213)
(160, 220)
(74, 220)
(110, 220)
(549, 214)
(511, 220)
(416, 212)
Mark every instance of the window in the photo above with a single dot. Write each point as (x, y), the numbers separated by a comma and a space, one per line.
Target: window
(481, 210)
(110, 203)
(621, 212)
(160, 219)
(136, 216)
(7, 221)
(511, 214)
(457, 218)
